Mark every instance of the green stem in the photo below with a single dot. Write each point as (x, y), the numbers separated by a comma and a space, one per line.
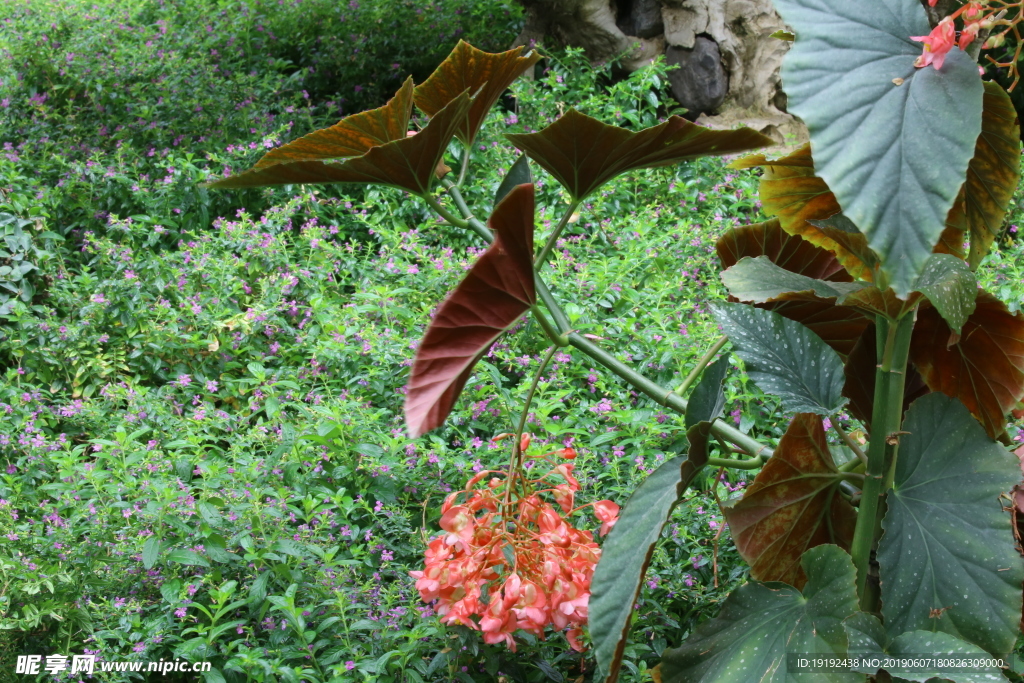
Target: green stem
(554, 335)
(538, 262)
(851, 444)
(461, 203)
(464, 165)
(443, 212)
(701, 364)
(754, 464)
(886, 415)
(663, 396)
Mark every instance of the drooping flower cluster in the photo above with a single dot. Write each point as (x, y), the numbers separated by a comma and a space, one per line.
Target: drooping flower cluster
(508, 559)
(978, 16)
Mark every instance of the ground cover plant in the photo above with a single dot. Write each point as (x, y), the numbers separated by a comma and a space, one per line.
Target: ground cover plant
(191, 404)
(860, 291)
(206, 456)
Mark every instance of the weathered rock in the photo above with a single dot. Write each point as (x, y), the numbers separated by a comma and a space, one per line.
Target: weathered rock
(700, 83)
(750, 58)
(640, 18)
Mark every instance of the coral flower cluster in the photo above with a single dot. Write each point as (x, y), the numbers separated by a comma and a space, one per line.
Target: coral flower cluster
(977, 17)
(509, 559)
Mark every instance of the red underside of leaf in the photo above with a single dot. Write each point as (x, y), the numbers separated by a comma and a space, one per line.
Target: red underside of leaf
(498, 289)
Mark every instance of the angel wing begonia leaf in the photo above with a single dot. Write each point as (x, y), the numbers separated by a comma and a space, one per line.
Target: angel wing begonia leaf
(498, 289)
(352, 136)
(485, 74)
(409, 163)
(983, 366)
(792, 506)
(582, 153)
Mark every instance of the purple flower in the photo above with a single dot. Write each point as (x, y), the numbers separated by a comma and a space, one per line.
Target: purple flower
(349, 665)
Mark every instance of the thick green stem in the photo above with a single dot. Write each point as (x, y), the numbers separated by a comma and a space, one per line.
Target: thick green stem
(701, 364)
(554, 335)
(754, 464)
(443, 212)
(886, 416)
(461, 203)
(663, 396)
(538, 262)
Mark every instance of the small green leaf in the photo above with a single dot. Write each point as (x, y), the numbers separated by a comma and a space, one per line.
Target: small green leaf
(759, 281)
(150, 552)
(708, 399)
(518, 174)
(188, 557)
(625, 555)
(866, 637)
(760, 623)
(875, 121)
(947, 558)
(210, 514)
(951, 287)
(784, 358)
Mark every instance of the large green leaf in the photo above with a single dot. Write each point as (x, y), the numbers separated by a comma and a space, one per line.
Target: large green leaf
(869, 641)
(947, 556)
(892, 141)
(792, 505)
(627, 551)
(784, 358)
(761, 623)
(759, 281)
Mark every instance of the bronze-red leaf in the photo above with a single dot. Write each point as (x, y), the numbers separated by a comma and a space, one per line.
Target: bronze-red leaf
(793, 505)
(984, 367)
(409, 163)
(483, 74)
(353, 136)
(498, 289)
(582, 153)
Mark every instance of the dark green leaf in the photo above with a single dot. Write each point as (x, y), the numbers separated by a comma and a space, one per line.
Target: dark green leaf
(951, 287)
(947, 556)
(759, 281)
(518, 174)
(708, 399)
(892, 141)
(210, 514)
(784, 358)
(867, 639)
(187, 557)
(625, 555)
(761, 623)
